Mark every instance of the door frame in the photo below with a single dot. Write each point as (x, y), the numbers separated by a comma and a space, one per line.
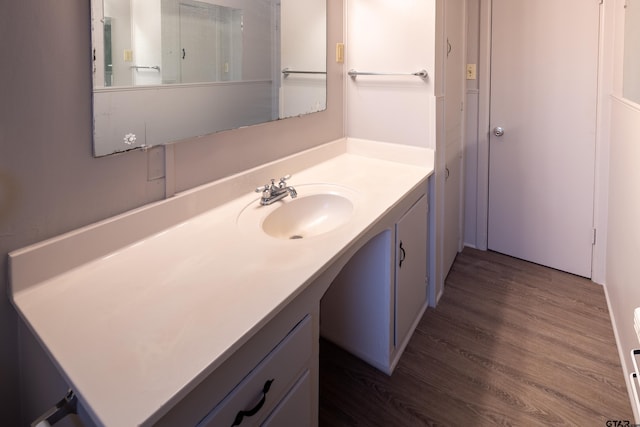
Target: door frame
(601, 191)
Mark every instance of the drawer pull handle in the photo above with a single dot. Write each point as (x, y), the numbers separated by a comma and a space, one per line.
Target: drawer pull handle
(255, 409)
(403, 254)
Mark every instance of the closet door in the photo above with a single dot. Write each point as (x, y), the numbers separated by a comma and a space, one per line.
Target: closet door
(454, 83)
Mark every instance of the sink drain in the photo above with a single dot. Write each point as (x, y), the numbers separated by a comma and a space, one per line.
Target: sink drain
(295, 237)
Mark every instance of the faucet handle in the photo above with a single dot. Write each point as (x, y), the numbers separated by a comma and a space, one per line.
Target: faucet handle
(263, 188)
(283, 180)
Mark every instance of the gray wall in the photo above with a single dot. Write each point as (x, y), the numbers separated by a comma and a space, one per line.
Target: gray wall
(50, 183)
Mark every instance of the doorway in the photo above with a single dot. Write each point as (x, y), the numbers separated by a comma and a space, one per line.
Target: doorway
(542, 131)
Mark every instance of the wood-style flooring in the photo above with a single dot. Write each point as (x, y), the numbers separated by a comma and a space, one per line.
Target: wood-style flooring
(510, 344)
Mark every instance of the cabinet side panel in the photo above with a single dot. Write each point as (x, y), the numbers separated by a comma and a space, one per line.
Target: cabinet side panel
(355, 311)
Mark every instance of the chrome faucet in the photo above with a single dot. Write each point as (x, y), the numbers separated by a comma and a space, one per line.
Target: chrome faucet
(274, 192)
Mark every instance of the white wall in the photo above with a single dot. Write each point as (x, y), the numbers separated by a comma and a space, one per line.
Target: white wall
(472, 106)
(50, 183)
(391, 36)
(623, 268)
(623, 239)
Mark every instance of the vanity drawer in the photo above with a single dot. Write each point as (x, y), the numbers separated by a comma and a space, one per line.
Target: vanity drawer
(295, 408)
(256, 396)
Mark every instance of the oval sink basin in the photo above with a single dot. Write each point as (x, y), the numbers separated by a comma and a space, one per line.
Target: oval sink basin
(318, 209)
(308, 216)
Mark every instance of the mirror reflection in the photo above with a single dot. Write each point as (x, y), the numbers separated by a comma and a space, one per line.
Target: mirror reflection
(166, 70)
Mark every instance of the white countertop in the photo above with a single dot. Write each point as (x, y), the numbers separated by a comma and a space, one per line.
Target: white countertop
(137, 327)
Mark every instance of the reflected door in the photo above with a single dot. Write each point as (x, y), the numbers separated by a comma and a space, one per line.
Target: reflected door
(198, 40)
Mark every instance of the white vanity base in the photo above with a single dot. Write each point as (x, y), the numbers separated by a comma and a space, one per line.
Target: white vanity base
(144, 311)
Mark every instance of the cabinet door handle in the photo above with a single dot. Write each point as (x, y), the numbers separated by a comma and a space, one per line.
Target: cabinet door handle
(255, 409)
(403, 254)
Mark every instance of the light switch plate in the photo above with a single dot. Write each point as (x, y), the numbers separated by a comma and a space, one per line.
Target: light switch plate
(339, 53)
(471, 71)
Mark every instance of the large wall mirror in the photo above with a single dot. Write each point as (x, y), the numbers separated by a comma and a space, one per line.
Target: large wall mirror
(631, 70)
(167, 70)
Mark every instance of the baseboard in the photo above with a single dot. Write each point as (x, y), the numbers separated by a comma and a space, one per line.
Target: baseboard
(622, 356)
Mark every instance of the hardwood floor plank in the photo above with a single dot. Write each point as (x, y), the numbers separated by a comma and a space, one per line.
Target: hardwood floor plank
(511, 343)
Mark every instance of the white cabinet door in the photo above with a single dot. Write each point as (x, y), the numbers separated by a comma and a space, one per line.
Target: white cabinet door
(454, 84)
(372, 306)
(411, 268)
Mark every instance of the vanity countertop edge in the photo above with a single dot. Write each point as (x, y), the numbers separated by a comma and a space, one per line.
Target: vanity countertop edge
(143, 320)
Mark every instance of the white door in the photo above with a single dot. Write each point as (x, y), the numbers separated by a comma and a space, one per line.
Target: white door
(544, 58)
(411, 269)
(454, 83)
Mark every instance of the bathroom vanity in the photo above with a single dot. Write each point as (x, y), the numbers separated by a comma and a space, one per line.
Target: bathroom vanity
(207, 308)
